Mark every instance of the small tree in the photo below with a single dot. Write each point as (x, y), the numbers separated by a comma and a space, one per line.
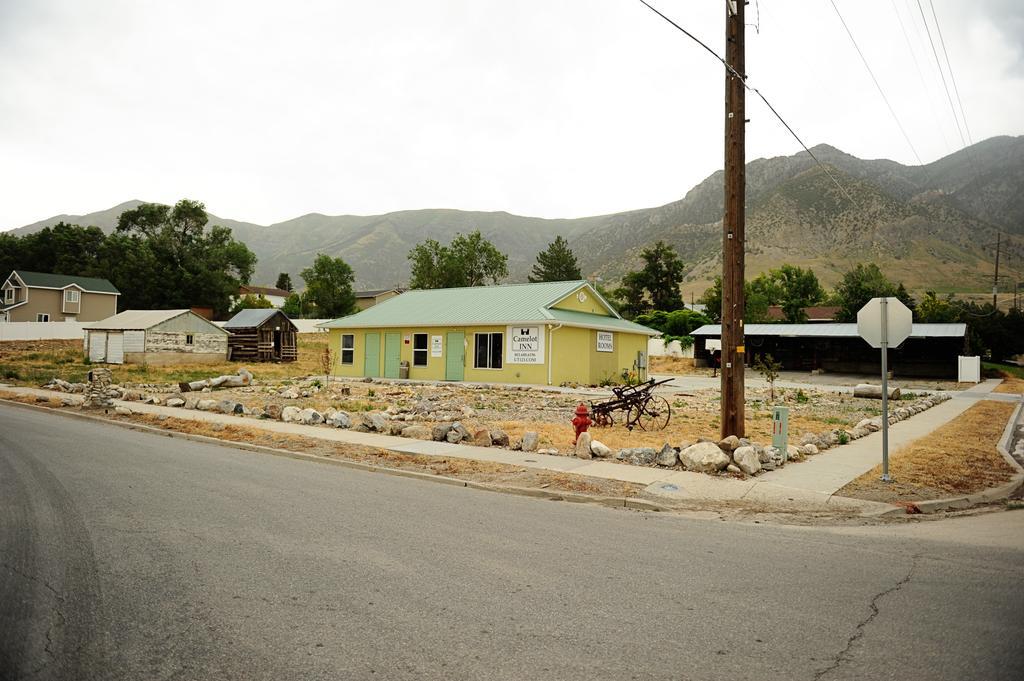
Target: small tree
(284, 282)
(469, 260)
(557, 263)
(769, 368)
(327, 361)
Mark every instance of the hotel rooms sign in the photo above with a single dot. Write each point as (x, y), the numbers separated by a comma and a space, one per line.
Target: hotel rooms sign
(525, 345)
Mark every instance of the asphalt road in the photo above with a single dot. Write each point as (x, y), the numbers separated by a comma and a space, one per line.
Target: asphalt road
(135, 556)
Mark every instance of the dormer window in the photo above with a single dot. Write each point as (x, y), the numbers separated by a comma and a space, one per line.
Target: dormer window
(71, 296)
(8, 295)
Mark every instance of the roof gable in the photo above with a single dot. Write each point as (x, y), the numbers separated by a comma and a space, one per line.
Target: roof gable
(147, 319)
(585, 298)
(59, 281)
(250, 318)
(483, 306)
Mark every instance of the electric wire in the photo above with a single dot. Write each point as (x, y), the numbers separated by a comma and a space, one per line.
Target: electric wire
(949, 67)
(878, 85)
(942, 75)
(920, 75)
(757, 92)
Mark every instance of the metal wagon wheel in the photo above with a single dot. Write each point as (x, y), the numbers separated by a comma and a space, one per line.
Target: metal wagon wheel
(651, 414)
(604, 419)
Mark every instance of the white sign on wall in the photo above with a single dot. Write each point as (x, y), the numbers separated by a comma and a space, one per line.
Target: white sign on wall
(605, 341)
(525, 345)
(435, 346)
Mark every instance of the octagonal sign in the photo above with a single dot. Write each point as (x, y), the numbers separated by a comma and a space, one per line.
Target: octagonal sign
(899, 320)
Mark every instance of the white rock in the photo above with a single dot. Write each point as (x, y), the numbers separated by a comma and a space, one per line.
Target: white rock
(290, 414)
(123, 411)
(704, 457)
(583, 446)
(530, 441)
(729, 443)
(747, 460)
(175, 402)
(206, 405)
(810, 449)
(310, 417)
(600, 450)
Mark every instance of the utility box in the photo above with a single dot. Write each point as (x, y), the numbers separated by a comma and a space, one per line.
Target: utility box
(968, 369)
(780, 428)
(403, 370)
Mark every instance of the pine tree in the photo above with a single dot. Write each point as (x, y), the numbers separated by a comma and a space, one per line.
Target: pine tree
(557, 263)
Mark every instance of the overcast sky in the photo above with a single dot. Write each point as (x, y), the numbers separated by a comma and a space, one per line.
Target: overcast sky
(555, 108)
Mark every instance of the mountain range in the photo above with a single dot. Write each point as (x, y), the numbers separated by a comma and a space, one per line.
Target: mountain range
(933, 226)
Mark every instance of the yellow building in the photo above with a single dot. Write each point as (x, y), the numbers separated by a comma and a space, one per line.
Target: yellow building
(543, 334)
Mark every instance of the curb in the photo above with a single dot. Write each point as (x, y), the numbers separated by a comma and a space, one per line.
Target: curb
(572, 497)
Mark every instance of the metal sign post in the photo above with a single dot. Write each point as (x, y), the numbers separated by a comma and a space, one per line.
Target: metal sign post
(885, 389)
(885, 322)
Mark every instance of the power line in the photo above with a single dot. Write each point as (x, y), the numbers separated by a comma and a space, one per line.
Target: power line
(949, 66)
(877, 84)
(942, 75)
(920, 74)
(743, 79)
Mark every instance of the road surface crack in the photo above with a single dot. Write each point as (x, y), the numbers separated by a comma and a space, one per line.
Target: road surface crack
(844, 655)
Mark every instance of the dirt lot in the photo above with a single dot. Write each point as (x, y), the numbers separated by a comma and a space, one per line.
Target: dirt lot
(695, 414)
(958, 458)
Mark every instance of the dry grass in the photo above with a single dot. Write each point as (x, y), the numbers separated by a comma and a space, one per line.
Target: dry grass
(958, 458)
(674, 365)
(36, 362)
(1010, 384)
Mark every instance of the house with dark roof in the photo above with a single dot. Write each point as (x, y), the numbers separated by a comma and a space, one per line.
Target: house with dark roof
(43, 297)
(547, 333)
(367, 299)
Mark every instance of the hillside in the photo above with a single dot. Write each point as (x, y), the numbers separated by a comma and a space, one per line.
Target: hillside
(930, 226)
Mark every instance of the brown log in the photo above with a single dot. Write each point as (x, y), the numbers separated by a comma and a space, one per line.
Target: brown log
(874, 391)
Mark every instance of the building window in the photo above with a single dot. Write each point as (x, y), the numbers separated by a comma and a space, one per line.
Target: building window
(419, 349)
(488, 350)
(348, 348)
(42, 317)
(9, 295)
(70, 296)
(189, 339)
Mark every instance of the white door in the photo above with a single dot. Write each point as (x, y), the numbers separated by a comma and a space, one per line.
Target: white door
(97, 346)
(115, 348)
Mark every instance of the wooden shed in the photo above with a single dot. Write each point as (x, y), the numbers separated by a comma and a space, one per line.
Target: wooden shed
(157, 337)
(262, 335)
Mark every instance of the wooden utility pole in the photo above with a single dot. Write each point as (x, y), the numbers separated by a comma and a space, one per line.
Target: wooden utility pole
(733, 302)
(995, 279)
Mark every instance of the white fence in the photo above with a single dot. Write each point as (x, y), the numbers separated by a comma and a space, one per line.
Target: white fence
(656, 347)
(24, 331)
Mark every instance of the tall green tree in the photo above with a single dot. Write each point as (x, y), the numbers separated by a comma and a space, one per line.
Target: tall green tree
(656, 285)
(556, 263)
(192, 264)
(792, 288)
(329, 286)
(756, 300)
(284, 282)
(469, 260)
(251, 302)
(861, 284)
(933, 309)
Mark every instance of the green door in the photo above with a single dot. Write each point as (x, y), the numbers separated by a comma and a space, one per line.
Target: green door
(392, 354)
(371, 356)
(455, 357)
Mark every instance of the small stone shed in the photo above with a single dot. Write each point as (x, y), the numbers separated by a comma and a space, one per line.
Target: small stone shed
(262, 335)
(158, 337)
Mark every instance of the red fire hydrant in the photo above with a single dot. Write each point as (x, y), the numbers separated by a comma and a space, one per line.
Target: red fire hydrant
(582, 421)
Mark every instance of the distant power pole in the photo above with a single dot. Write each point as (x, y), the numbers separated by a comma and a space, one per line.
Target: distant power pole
(995, 279)
(733, 302)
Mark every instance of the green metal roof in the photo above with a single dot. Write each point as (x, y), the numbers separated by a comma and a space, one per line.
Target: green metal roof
(484, 305)
(46, 280)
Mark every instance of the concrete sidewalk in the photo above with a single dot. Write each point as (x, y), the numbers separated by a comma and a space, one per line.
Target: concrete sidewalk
(811, 483)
